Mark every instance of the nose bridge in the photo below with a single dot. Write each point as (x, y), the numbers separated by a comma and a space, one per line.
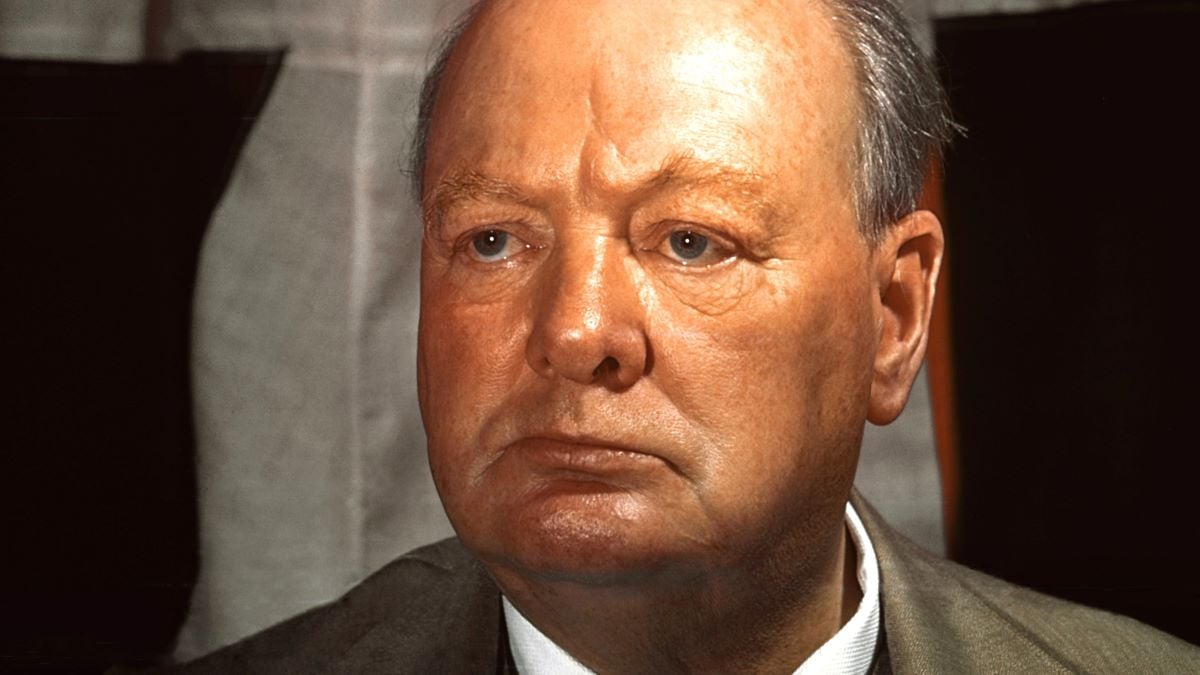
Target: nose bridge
(588, 281)
(588, 325)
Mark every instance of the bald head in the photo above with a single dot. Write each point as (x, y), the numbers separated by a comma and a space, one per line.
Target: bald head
(616, 89)
(900, 119)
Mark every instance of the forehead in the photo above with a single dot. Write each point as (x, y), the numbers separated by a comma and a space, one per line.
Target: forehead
(614, 87)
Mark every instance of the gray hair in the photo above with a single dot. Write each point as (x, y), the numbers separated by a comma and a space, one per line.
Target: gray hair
(903, 118)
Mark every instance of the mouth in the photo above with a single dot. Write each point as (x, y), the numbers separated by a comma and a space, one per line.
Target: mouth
(585, 459)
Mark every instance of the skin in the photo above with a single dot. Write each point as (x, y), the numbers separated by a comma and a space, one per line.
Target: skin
(653, 458)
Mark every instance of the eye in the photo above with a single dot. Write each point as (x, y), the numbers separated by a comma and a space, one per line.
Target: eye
(492, 246)
(689, 247)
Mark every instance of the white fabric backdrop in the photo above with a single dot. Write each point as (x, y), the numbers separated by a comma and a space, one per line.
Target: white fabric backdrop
(312, 463)
(98, 30)
(312, 470)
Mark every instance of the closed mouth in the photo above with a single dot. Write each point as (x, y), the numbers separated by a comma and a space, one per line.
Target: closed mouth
(583, 456)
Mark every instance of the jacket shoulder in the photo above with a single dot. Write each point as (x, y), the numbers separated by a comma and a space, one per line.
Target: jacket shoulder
(942, 617)
(1075, 637)
(434, 607)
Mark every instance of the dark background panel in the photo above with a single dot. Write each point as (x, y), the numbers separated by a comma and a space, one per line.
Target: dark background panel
(1071, 205)
(109, 174)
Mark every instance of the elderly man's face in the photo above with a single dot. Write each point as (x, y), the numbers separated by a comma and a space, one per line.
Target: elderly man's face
(648, 321)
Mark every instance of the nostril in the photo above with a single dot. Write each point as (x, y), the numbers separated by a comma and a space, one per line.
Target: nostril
(608, 365)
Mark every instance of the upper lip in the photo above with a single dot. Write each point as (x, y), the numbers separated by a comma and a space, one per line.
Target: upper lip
(589, 439)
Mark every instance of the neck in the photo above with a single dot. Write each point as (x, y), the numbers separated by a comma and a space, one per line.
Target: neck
(768, 618)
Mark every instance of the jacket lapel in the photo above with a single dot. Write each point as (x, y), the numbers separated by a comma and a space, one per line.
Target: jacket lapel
(939, 617)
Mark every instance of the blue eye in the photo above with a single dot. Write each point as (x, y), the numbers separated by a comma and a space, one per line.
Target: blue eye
(495, 245)
(688, 245)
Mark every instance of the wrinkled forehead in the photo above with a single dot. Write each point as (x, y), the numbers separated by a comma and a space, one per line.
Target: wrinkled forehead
(743, 79)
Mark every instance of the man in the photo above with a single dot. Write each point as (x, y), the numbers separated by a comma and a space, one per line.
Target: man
(671, 265)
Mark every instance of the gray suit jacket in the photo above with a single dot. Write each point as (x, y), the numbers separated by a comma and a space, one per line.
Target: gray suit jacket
(436, 610)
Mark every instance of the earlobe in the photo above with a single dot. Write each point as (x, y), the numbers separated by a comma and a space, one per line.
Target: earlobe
(907, 263)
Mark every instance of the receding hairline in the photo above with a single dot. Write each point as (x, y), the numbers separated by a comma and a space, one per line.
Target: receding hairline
(463, 34)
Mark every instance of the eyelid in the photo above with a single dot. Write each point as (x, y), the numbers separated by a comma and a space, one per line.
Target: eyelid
(724, 244)
(466, 220)
(465, 243)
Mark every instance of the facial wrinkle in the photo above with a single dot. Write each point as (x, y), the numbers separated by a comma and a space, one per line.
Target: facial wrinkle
(601, 163)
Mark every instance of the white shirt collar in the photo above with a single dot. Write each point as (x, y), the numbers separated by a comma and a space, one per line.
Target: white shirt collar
(848, 652)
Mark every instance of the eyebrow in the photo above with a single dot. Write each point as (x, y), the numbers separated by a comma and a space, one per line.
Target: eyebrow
(468, 185)
(684, 169)
(677, 171)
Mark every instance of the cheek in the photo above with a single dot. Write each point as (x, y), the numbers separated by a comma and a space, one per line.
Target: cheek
(470, 357)
(785, 372)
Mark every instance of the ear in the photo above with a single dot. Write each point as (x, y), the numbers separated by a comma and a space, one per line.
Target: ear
(906, 265)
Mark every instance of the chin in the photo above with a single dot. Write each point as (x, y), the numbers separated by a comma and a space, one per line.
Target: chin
(605, 539)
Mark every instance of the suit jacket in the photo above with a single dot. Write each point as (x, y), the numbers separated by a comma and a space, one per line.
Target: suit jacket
(437, 610)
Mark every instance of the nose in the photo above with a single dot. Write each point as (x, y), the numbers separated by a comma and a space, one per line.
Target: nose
(588, 317)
